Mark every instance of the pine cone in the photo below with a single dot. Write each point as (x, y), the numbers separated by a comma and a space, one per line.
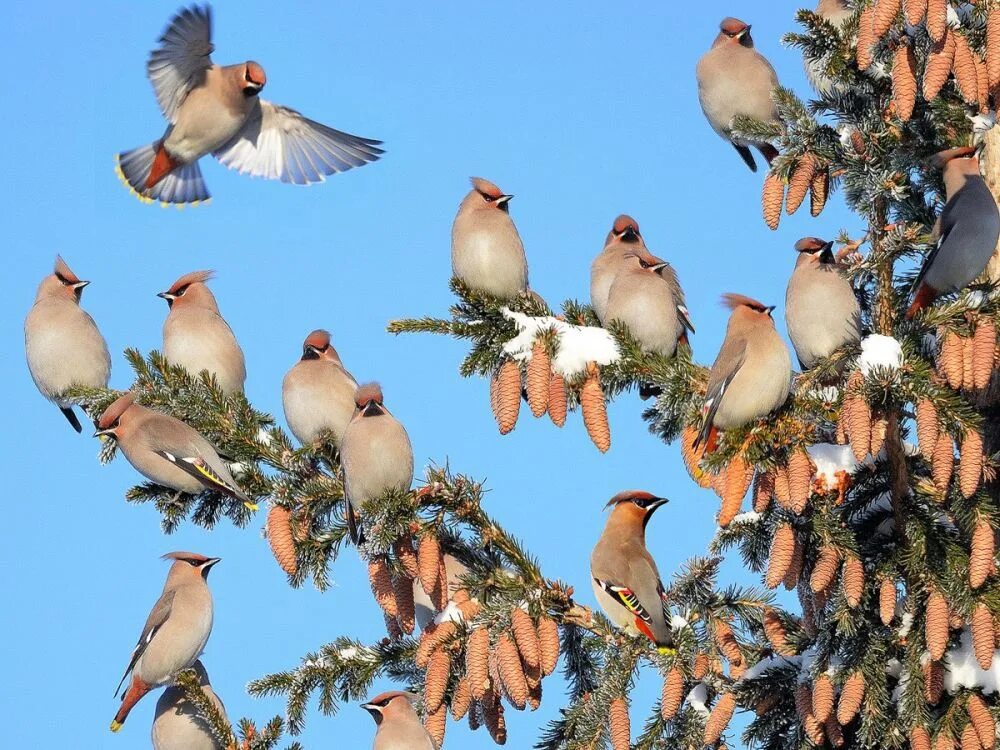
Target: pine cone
(939, 63)
(538, 377)
(851, 695)
(782, 487)
(279, 536)
(854, 581)
(970, 740)
(428, 561)
(548, 644)
(777, 636)
(738, 476)
(436, 679)
(525, 636)
(887, 600)
(834, 734)
(477, 656)
(982, 83)
(392, 627)
(985, 337)
(964, 68)
(937, 18)
(885, 15)
(801, 179)
(771, 199)
(557, 400)
(822, 694)
(936, 625)
(927, 427)
(380, 579)
(915, 10)
(981, 563)
(435, 722)
(943, 462)
(718, 720)
(431, 639)
(866, 37)
(983, 635)
(403, 589)
(461, 700)
(493, 717)
(982, 721)
(692, 457)
(507, 402)
(782, 549)
(619, 729)
(825, 569)
(673, 693)
(800, 474)
(859, 426)
(944, 740)
(725, 639)
(803, 707)
(819, 189)
(700, 667)
(970, 470)
(968, 353)
(879, 428)
(403, 547)
(920, 739)
(763, 490)
(858, 140)
(595, 409)
(950, 358)
(535, 694)
(791, 579)
(904, 80)
(993, 48)
(933, 674)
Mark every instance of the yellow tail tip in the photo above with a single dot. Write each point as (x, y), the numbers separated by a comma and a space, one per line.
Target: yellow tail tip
(666, 650)
(251, 507)
(116, 725)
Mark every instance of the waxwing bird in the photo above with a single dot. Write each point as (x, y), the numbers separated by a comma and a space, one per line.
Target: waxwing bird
(178, 724)
(64, 348)
(375, 453)
(195, 335)
(399, 727)
(486, 250)
(318, 393)
(167, 451)
(968, 230)
(217, 109)
(735, 79)
(751, 376)
(626, 581)
(821, 310)
(836, 13)
(424, 610)
(175, 632)
(647, 298)
(623, 238)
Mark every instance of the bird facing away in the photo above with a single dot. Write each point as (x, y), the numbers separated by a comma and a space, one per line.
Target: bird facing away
(217, 109)
(318, 393)
(178, 724)
(175, 632)
(968, 230)
(399, 727)
(486, 250)
(821, 311)
(647, 298)
(63, 346)
(196, 337)
(167, 451)
(623, 238)
(752, 374)
(735, 79)
(424, 609)
(376, 455)
(836, 13)
(626, 580)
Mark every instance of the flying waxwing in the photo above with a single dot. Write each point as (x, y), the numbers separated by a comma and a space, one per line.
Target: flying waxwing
(195, 335)
(821, 311)
(318, 393)
(166, 451)
(399, 727)
(836, 13)
(486, 250)
(626, 581)
(623, 238)
(647, 297)
(62, 343)
(376, 455)
(175, 632)
(752, 375)
(216, 109)
(423, 606)
(179, 725)
(735, 79)
(967, 230)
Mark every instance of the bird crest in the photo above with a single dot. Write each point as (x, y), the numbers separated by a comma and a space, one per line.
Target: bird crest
(194, 277)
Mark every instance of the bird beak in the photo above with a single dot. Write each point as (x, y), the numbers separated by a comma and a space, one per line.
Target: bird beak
(743, 33)
(371, 409)
(826, 253)
(769, 309)
(373, 710)
(102, 434)
(210, 562)
(503, 199)
(629, 235)
(658, 266)
(80, 284)
(658, 503)
(167, 296)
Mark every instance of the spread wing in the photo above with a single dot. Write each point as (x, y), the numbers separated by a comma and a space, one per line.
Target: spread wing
(278, 143)
(180, 62)
(159, 615)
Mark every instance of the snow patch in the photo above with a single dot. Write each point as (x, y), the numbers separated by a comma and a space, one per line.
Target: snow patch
(578, 345)
(880, 352)
(751, 516)
(830, 459)
(697, 699)
(263, 437)
(451, 613)
(963, 671)
(677, 622)
(237, 469)
(905, 625)
(982, 123)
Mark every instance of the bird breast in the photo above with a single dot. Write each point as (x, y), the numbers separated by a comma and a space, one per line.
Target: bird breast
(199, 339)
(734, 80)
(317, 396)
(761, 385)
(210, 115)
(487, 254)
(643, 302)
(377, 457)
(182, 637)
(64, 348)
(821, 312)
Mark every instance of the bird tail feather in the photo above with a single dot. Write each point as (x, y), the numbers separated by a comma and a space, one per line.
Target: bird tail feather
(181, 186)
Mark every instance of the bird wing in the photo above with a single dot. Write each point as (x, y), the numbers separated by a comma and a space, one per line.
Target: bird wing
(945, 223)
(727, 364)
(180, 62)
(200, 469)
(158, 616)
(685, 317)
(278, 143)
(627, 598)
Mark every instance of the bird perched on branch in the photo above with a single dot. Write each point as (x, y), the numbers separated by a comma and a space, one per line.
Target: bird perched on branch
(178, 723)
(751, 376)
(967, 230)
(167, 451)
(63, 345)
(626, 581)
(836, 13)
(623, 238)
(735, 79)
(197, 337)
(486, 250)
(399, 727)
(217, 109)
(821, 310)
(318, 393)
(175, 632)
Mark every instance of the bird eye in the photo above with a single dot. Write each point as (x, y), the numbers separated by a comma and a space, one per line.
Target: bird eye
(644, 264)
(193, 563)
(489, 198)
(180, 292)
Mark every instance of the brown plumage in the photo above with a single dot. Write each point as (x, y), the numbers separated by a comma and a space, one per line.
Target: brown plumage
(938, 67)
(673, 693)
(822, 698)
(429, 562)
(982, 721)
(866, 37)
(738, 476)
(854, 580)
(985, 338)
(436, 679)
(548, 644)
(819, 189)
(719, 718)
(982, 552)
(538, 377)
(904, 81)
(511, 672)
(477, 655)
(950, 358)
(887, 600)
(851, 695)
(927, 427)
(933, 676)
(936, 624)
(692, 457)
(526, 637)
(595, 409)
(825, 568)
(800, 474)
(943, 462)
(970, 469)
(279, 536)
(964, 68)
(914, 10)
(884, 17)
(799, 182)
(777, 636)
(508, 396)
(983, 635)
(763, 490)
(772, 197)
(937, 18)
(782, 549)
(920, 738)
(557, 399)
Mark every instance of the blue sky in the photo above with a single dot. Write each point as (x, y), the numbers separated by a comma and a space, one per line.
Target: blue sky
(582, 116)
